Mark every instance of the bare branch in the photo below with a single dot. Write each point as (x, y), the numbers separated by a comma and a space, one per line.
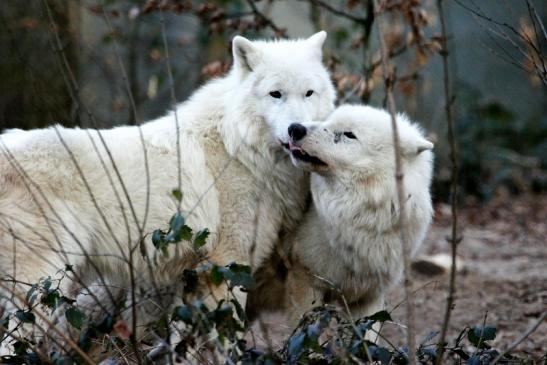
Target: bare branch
(523, 337)
(260, 15)
(388, 79)
(455, 237)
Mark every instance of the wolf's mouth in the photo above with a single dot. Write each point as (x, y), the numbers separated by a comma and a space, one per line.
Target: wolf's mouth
(302, 155)
(298, 153)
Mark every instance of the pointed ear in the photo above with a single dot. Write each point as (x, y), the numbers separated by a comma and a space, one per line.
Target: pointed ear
(245, 54)
(416, 146)
(316, 41)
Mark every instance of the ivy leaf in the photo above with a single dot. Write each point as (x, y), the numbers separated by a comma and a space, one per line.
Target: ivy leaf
(25, 316)
(295, 347)
(20, 348)
(239, 275)
(51, 299)
(380, 316)
(175, 227)
(47, 284)
(380, 354)
(474, 335)
(75, 317)
(157, 238)
(201, 238)
(183, 313)
(217, 277)
(186, 233)
(177, 222)
(177, 194)
(31, 294)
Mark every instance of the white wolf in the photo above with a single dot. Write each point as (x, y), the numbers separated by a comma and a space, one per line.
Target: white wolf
(62, 201)
(349, 242)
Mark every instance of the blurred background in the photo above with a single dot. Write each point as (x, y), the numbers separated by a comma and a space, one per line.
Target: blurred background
(60, 63)
(58, 51)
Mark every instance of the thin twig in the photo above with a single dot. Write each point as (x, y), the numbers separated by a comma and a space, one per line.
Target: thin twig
(400, 191)
(260, 15)
(523, 337)
(455, 237)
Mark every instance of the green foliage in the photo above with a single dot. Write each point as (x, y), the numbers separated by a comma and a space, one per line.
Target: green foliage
(75, 317)
(496, 147)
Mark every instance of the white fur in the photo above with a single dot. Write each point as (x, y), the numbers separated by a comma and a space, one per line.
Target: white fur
(237, 178)
(351, 236)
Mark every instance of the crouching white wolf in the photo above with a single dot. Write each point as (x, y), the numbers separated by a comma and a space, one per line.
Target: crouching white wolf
(349, 242)
(84, 197)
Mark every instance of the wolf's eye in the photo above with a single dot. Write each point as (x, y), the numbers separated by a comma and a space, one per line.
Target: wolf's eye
(350, 135)
(309, 93)
(275, 94)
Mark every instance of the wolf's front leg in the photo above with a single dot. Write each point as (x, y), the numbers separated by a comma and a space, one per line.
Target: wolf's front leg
(367, 307)
(301, 294)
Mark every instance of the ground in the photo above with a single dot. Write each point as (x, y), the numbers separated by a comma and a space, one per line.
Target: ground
(503, 276)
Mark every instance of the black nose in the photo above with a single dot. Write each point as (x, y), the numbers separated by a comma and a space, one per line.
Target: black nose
(297, 131)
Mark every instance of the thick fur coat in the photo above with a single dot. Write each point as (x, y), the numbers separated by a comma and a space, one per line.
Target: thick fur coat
(349, 242)
(82, 197)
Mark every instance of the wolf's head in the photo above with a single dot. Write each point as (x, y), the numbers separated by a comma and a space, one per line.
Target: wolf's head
(282, 82)
(356, 143)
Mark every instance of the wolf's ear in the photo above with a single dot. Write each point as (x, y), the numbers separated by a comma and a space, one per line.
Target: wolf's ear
(245, 54)
(415, 146)
(316, 41)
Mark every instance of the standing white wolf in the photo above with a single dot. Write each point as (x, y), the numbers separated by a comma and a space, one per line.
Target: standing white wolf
(349, 242)
(62, 200)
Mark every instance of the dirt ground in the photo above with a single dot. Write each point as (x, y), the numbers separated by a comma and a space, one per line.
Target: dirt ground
(503, 276)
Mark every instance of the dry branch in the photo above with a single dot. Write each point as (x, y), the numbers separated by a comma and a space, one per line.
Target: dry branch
(455, 238)
(399, 176)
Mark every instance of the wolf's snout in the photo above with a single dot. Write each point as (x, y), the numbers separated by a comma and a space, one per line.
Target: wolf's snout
(297, 131)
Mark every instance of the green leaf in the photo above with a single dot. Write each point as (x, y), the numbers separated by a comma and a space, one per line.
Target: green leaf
(217, 277)
(47, 284)
(75, 317)
(296, 343)
(488, 334)
(176, 223)
(20, 348)
(186, 233)
(201, 238)
(380, 354)
(380, 316)
(157, 238)
(183, 313)
(51, 299)
(177, 194)
(239, 275)
(25, 316)
(31, 294)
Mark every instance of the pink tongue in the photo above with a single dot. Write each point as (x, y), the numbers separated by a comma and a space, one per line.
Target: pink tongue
(294, 147)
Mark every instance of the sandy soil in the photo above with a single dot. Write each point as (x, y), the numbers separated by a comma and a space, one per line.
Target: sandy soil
(504, 275)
